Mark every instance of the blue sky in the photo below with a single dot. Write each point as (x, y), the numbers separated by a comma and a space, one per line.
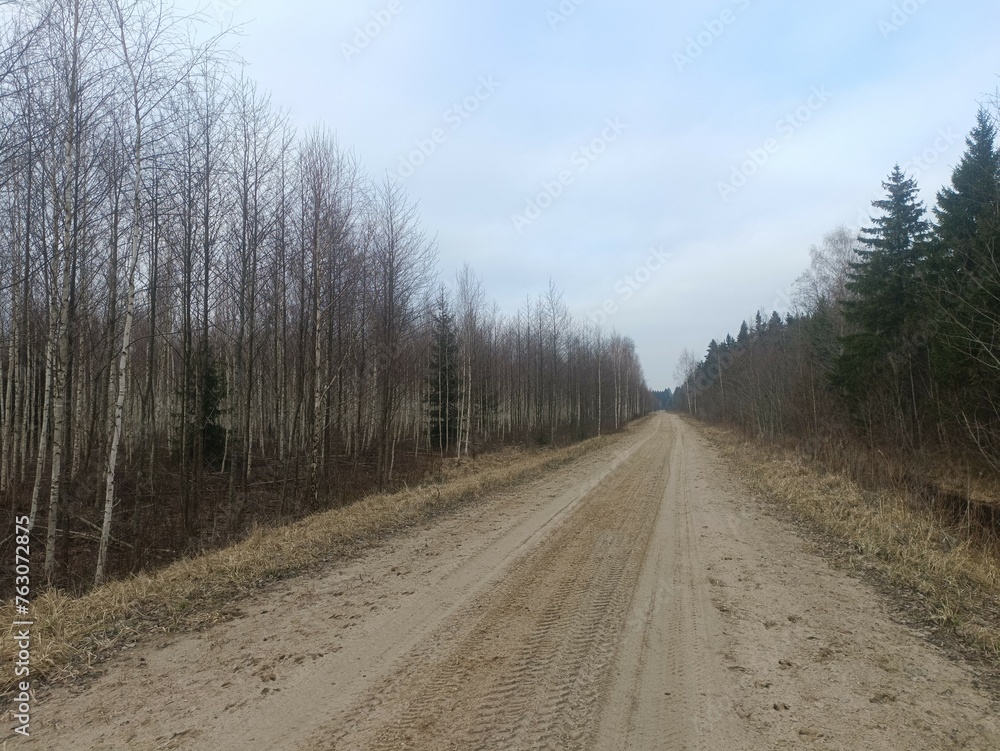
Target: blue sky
(728, 135)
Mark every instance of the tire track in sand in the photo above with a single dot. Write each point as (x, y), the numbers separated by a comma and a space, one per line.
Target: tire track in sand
(525, 666)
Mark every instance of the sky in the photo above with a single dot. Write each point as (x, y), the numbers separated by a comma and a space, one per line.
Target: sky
(667, 165)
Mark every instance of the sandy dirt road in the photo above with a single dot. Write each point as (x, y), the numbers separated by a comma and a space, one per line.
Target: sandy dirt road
(635, 599)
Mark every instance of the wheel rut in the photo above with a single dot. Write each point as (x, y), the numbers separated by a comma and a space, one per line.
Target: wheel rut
(525, 665)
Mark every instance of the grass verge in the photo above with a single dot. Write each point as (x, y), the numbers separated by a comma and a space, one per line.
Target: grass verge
(71, 634)
(946, 578)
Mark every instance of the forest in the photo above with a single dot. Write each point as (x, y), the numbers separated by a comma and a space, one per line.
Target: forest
(889, 364)
(210, 320)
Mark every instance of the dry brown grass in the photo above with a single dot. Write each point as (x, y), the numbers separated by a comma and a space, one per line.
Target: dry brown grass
(945, 574)
(71, 633)
(962, 479)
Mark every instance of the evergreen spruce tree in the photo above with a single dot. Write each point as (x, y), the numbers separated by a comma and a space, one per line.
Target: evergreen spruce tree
(885, 311)
(743, 337)
(966, 288)
(442, 380)
(966, 259)
(967, 211)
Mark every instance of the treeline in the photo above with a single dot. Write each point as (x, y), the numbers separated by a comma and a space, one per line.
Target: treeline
(896, 340)
(209, 320)
(663, 399)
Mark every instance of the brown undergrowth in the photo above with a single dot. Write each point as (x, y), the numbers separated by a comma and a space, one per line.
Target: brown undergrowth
(72, 633)
(946, 573)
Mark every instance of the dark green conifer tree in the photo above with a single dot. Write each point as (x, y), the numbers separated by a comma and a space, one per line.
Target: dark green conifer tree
(967, 211)
(965, 289)
(743, 338)
(442, 380)
(881, 364)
